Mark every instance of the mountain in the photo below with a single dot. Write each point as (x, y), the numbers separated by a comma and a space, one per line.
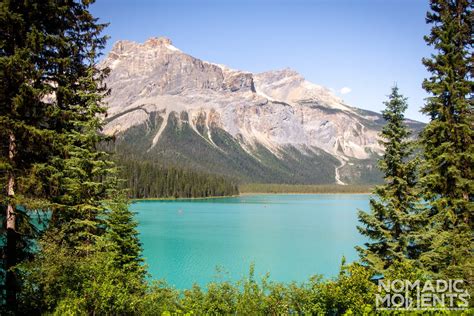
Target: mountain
(169, 107)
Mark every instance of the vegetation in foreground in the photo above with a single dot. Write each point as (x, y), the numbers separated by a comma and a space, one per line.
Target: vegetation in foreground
(112, 291)
(86, 258)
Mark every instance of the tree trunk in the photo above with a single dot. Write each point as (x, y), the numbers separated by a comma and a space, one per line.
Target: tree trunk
(11, 255)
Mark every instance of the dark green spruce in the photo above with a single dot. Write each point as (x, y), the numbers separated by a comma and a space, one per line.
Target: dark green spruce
(123, 234)
(27, 130)
(393, 222)
(447, 140)
(51, 115)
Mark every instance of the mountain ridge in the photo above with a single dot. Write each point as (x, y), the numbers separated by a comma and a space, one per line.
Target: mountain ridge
(275, 126)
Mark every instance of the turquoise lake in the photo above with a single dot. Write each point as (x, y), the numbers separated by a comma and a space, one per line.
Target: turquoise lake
(291, 236)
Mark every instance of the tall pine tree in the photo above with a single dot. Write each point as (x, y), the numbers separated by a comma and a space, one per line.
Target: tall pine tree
(82, 176)
(447, 140)
(51, 115)
(27, 136)
(52, 112)
(392, 224)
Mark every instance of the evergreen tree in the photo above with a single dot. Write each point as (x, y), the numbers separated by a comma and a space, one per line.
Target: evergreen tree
(447, 140)
(393, 222)
(150, 180)
(78, 172)
(27, 138)
(62, 281)
(51, 115)
(123, 234)
(80, 177)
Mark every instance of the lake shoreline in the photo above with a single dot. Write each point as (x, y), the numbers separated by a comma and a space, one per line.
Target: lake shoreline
(275, 188)
(247, 194)
(304, 193)
(183, 198)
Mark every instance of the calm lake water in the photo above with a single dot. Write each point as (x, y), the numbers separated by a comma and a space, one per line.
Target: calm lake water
(290, 236)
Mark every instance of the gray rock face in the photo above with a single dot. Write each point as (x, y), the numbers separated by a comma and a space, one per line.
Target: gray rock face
(275, 110)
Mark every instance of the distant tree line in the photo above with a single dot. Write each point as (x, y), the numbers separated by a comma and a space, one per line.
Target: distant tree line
(145, 179)
(304, 188)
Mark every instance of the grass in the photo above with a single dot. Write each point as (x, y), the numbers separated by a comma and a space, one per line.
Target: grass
(303, 188)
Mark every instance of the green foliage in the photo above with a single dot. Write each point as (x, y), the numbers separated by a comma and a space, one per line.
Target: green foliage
(150, 180)
(159, 299)
(51, 115)
(27, 134)
(251, 298)
(302, 188)
(102, 275)
(447, 141)
(63, 281)
(123, 235)
(394, 222)
(352, 292)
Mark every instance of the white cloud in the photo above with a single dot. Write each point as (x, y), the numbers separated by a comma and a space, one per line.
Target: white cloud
(345, 90)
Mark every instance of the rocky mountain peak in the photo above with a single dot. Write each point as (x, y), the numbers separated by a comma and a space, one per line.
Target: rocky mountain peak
(156, 45)
(268, 126)
(157, 41)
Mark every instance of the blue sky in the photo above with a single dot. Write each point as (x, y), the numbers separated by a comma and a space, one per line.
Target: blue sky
(358, 48)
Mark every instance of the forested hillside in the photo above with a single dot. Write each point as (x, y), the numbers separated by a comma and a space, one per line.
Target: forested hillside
(146, 179)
